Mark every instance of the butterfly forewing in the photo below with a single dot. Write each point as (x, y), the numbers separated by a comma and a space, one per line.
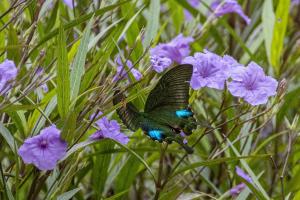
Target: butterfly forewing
(172, 90)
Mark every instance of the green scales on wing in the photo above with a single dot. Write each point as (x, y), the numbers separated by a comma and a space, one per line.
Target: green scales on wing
(166, 112)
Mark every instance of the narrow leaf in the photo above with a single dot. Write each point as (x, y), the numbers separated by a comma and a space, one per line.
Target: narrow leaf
(282, 14)
(79, 61)
(153, 22)
(62, 75)
(7, 136)
(268, 20)
(68, 195)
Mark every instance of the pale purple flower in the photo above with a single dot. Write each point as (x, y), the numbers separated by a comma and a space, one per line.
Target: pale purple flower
(229, 65)
(122, 72)
(180, 48)
(237, 189)
(183, 135)
(109, 129)
(252, 84)
(8, 72)
(229, 6)
(295, 2)
(45, 87)
(209, 70)
(39, 71)
(194, 3)
(159, 64)
(45, 149)
(242, 174)
(70, 4)
(176, 50)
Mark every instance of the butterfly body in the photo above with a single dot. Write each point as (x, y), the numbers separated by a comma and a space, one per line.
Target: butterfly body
(166, 112)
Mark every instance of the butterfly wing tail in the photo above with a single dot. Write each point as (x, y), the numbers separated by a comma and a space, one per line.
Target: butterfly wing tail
(128, 113)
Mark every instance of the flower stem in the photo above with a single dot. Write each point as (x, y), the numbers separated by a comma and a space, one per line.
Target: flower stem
(158, 185)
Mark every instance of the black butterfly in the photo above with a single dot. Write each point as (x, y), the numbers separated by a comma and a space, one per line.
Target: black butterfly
(166, 111)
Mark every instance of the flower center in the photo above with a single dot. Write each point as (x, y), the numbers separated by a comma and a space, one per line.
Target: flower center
(250, 82)
(44, 144)
(207, 71)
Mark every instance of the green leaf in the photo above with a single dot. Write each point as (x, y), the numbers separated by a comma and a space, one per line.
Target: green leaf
(268, 20)
(290, 102)
(129, 23)
(62, 75)
(79, 61)
(15, 53)
(68, 195)
(8, 137)
(214, 162)
(281, 21)
(15, 107)
(117, 195)
(100, 167)
(127, 175)
(152, 22)
(260, 190)
(76, 148)
(78, 21)
(138, 157)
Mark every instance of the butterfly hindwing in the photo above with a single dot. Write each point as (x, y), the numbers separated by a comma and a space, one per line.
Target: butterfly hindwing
(128, 113)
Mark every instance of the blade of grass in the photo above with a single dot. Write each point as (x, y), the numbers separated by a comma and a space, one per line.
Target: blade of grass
(152, 22)
(268, 20)
(79, 21)
(68, 195)
(79, 61)
(8, 137)
(281, 21)
(214, 162)
(62, 75)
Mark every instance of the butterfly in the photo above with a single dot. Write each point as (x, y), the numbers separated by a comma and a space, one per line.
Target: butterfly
(166, 112)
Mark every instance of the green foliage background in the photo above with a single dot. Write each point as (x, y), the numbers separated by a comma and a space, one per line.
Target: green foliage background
(76, 49)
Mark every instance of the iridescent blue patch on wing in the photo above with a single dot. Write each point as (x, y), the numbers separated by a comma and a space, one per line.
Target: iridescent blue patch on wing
(183, 113)
(155, 134)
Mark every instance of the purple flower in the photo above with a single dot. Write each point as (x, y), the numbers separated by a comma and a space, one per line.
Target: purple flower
(45, 149)
(176, 50)
(242, 174)
(209, 70)
(8, 72)
(237, 189)
(252, 84)
(70, 4)
(45, 87)
(39, 71)
(229, 6)
(295, 2)
(182, 134)
(194, 4)
(159, 64)
(122, 72)
(109, 129)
